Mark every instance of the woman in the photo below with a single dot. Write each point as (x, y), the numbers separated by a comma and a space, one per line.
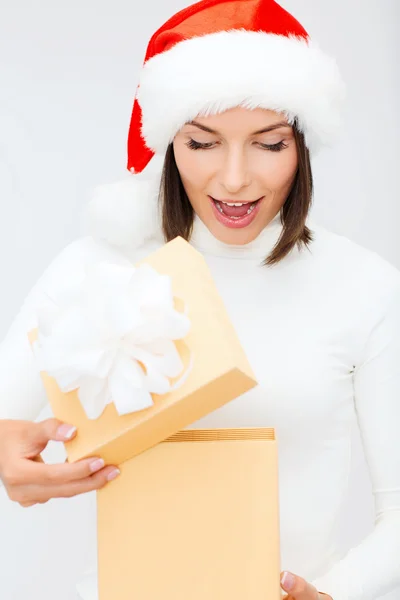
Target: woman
(233, 100)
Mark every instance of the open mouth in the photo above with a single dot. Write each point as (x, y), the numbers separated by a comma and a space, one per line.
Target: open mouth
(235, 210)
(235, 214)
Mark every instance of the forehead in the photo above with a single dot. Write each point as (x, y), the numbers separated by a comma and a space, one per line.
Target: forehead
(241, 120)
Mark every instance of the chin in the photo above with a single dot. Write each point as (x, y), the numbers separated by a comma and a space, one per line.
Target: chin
(234, 237)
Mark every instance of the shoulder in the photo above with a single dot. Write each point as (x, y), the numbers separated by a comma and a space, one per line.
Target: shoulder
(70, 264)
(73, 258)
(368, 270)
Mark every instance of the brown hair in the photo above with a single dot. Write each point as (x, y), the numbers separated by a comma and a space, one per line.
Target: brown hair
(177, 212)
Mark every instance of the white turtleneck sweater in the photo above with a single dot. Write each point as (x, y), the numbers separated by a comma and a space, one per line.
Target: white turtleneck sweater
(322, 332)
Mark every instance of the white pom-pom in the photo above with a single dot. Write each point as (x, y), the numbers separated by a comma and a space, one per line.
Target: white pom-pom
(126, 213)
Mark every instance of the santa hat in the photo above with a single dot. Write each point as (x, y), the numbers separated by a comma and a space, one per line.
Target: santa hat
(208, 58)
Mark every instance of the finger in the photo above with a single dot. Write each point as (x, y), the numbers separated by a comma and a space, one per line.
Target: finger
(94, 482)
(298, 588)
(53, 429)
(60, 474)
(34, 493)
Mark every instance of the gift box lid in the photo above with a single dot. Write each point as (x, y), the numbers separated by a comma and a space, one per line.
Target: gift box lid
(217, 370)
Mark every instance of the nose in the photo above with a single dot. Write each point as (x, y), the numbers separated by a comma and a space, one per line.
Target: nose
(234, 173)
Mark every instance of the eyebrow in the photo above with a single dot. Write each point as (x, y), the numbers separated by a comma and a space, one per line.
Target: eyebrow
(264, 130)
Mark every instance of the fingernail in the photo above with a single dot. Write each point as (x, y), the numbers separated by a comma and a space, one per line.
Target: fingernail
(113, 474)
(288, 580)
(96, 465)
(66, 431)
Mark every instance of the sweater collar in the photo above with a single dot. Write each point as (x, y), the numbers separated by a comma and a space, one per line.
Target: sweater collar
(204, 241)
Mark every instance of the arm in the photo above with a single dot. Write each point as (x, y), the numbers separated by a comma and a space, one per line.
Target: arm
(22, 394)
(372, 569)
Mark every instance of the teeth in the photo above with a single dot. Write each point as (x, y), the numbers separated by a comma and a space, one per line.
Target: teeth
(219, 207)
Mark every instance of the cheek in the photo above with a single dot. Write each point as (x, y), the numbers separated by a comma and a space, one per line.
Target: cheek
(279, 171)
(193, 169)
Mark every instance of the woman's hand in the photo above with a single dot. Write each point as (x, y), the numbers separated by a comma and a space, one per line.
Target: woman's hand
(28, 480)
(298, 588)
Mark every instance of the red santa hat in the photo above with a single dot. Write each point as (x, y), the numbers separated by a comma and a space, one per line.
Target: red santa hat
(208, 58)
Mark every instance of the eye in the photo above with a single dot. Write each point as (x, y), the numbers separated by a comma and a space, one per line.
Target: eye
(193, 145)
(274, 147)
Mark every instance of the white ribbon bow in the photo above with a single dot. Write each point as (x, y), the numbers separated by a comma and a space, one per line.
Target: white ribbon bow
(111, 337)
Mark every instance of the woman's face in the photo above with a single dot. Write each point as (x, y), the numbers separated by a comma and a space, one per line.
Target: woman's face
(237, 169)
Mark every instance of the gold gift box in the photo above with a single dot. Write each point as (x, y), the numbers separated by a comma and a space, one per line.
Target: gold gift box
(194, 513)
(195, 517)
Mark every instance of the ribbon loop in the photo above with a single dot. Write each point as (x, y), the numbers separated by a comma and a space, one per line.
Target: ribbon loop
(111, 336)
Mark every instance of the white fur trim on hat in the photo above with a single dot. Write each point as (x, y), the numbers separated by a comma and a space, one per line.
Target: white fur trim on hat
(212, 73)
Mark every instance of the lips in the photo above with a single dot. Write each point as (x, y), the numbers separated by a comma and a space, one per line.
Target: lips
(235, 214)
